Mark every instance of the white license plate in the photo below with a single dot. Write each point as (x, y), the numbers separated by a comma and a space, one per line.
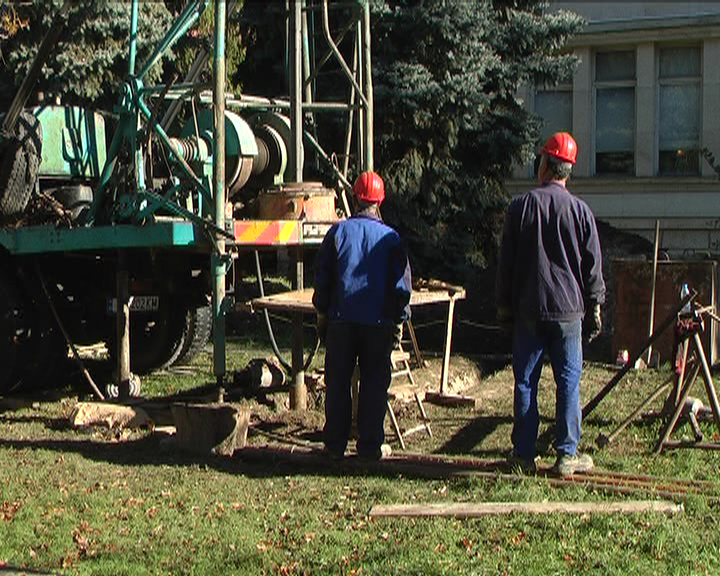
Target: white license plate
(137, 304)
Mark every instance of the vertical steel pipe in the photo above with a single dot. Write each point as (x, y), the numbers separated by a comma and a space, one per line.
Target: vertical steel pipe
(133, 37)
(219, 257)
(368, 88)
(298, 391)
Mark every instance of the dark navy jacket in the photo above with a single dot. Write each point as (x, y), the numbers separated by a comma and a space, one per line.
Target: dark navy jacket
(550, 260)
(362, 273)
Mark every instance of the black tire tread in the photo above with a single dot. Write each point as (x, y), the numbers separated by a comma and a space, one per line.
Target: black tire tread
(198, 329)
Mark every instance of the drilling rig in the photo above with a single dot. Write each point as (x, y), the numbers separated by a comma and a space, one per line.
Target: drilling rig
(124, 228)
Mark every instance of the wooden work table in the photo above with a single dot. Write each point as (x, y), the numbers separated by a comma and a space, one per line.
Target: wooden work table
(436, 293)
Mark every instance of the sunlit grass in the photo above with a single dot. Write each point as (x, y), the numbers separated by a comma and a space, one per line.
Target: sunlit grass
(101, 502)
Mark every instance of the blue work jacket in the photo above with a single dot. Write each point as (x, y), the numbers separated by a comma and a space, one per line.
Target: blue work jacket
(362, 273)
(550, 259)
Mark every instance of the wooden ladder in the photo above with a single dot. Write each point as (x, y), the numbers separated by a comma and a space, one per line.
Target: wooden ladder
(400, 361)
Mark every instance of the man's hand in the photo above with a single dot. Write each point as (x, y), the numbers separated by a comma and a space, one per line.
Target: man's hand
(397, 334)
(593, 322)
(321, 327)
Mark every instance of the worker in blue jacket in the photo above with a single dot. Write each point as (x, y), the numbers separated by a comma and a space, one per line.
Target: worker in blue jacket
(362, 296)
(550, 287)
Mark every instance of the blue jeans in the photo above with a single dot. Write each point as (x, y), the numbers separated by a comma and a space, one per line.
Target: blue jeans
(563, 343)
(369, 347)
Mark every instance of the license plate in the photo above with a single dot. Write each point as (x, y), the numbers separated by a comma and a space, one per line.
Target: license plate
(137, 304)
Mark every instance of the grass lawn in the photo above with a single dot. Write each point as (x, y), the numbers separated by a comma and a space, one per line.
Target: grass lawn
(95, 501)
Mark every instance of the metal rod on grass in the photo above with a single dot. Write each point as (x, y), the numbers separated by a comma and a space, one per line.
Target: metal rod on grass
(652, 294)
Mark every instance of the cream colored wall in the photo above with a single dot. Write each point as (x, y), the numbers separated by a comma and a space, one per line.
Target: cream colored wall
(688, 208)
(604, 11)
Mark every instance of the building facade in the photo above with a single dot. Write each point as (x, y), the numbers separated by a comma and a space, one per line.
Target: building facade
(644, 107)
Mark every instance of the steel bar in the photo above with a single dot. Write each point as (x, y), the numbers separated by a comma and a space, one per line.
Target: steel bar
(298, 389)
(218, 258)
(603, 440)
(651, 322)
(592, 404)
(707, 378)
(339, 57)
(66, 336)
(187, 18)
(434, 466)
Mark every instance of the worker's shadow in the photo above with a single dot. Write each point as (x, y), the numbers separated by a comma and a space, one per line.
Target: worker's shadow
(469, 439)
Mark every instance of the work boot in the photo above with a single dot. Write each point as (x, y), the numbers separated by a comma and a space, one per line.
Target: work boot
(568, 464)
(383, 452)
(523, 465)
(335, 455)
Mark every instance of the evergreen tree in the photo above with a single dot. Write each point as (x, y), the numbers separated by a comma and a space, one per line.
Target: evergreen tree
(448, 121)
(90, 60)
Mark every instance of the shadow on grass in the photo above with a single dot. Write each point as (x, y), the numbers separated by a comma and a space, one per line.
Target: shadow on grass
(467, 438)
(263, 461)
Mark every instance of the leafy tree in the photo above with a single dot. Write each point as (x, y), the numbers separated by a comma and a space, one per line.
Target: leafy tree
(448, 122)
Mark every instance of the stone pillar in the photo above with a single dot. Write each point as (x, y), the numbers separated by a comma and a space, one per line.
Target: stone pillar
(583, 114)
(645, 91)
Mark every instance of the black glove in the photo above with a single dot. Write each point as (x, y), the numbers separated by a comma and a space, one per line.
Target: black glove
(592, 326)
(397, 334)
(321, 327)
(505, 319)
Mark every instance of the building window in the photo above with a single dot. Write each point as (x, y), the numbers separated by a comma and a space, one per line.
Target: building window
(555, 109)
(615, 112)
(680, 103)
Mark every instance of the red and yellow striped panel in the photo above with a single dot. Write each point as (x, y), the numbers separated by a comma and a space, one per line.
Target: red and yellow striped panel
(267, 232)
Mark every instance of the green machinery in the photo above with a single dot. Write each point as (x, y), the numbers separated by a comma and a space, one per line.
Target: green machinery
(131, 242)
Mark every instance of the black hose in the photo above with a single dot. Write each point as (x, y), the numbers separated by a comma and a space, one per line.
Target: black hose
(273, 342)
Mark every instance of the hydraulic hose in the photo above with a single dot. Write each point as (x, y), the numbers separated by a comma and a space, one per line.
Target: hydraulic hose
(268, 325)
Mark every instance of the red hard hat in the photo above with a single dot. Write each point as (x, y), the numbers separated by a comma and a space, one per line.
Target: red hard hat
(561, 145)
(369, 187)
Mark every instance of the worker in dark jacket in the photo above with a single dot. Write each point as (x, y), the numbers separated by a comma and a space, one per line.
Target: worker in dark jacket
(362, 296)
(550, 287)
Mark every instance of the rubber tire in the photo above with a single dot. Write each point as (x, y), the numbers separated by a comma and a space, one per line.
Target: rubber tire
(14, 191)
(198, 326)
(155, 338)
(20, 166)
(13, 333)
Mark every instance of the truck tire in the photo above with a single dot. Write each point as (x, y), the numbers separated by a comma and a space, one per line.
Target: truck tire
(14, 191)
(155, 338)
(198, 326)
(20, 166)
(13, 332)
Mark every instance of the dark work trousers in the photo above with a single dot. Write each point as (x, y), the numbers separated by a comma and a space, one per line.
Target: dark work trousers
(370, 347)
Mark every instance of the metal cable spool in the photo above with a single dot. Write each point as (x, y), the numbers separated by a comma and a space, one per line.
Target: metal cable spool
(240, 146)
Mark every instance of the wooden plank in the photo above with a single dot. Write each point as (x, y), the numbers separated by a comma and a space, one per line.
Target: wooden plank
(451, 400)
(301, 300)
(476, 509)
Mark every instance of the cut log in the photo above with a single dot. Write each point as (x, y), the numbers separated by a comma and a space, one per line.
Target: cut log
(472, 509)
(110, 415)
(210, 428)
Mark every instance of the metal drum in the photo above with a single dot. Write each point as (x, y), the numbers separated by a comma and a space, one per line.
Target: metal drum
(309, 201)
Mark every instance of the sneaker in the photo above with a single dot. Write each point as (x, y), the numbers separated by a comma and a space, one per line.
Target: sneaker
(524, 465)
(568, 464)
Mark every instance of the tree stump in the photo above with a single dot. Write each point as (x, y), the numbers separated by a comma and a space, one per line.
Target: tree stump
(210, 428)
